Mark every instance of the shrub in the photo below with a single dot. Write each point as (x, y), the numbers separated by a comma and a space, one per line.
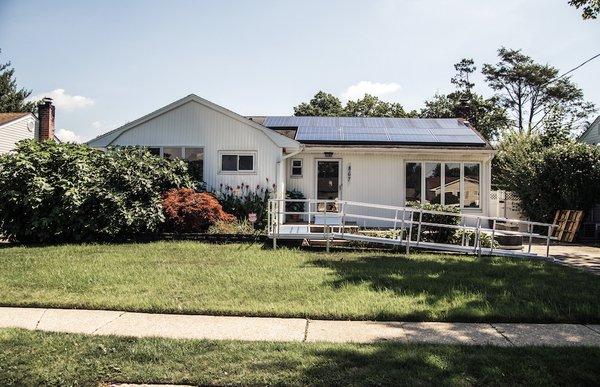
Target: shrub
(53, 192)
(294, 206)
(243, 200)
(549, 175)
(237, 227)
(189, 211)
(436, 234)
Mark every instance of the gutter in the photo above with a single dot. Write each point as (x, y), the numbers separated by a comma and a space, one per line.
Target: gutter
(280, 160)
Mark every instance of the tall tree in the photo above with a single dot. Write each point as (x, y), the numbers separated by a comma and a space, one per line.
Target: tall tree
(485, 114)
(12, 99)
(533, 92)
(322, 104)
(590, 8)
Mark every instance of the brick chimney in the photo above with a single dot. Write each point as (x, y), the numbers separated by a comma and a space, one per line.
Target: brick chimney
(46, 119)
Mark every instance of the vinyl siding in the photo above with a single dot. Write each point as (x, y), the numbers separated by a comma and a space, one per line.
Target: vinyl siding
(195, 125)
(16, 131)
(379, 177)
(592, 135)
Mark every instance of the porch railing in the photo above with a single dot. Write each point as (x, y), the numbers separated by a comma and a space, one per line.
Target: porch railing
(405, 218)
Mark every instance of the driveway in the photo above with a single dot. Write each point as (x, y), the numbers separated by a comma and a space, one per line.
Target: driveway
(579, 256)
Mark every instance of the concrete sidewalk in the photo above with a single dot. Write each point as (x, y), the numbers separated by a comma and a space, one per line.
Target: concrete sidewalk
(101, 322)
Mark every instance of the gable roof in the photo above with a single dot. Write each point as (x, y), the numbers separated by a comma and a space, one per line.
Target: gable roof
(378, 130)
(108, 138)
(588, 131)
(6, 118)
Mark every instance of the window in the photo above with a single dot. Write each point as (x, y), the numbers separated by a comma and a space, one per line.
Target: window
(195, 159)
(413, 182)
(297, 168)
(472, 184)
(433, 183)
(453, 184)
(171, 152)
(154, 151)
(237, 163)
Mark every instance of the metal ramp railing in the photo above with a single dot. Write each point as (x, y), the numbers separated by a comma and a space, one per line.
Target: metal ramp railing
(331, 220)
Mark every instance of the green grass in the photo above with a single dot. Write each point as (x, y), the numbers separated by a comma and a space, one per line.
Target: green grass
(244, 279)
(37, 358)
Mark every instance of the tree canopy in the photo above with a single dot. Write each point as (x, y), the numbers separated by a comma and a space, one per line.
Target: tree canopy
(326, 104)
(533, 93)
(13, 99)
(590, 8)
(485, 114)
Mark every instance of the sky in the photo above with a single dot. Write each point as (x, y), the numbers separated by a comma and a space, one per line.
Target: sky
(106, 63)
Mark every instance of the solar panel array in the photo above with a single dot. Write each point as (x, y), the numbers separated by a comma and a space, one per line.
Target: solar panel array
(377, 130)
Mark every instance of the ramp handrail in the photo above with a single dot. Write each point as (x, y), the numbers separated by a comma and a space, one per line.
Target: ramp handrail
(277, 213)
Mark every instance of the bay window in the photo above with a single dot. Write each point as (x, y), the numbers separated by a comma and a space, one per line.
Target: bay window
(452, 183)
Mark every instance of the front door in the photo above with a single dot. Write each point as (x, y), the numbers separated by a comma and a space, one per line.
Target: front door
(328, 181)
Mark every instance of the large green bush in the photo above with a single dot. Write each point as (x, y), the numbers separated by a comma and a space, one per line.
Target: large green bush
(548, 175)
(53, 192)
(432, 233)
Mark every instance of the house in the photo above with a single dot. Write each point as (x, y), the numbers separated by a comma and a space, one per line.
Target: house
(386, 161)
(15, 127)
(590, 229)
(592, 133)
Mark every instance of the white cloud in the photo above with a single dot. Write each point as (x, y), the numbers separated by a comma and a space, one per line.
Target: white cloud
(65, 101)
(96, 124)
(66, 135)
(377, 89)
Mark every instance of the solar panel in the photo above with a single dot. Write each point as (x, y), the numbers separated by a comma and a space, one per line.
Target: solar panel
(378, 129)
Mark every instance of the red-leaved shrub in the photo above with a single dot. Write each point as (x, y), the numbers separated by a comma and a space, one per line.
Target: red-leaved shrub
(189, 211)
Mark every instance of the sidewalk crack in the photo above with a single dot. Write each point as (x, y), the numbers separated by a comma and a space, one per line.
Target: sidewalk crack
(502, 334)
(40, 319)
(306, 331)
(109, 322)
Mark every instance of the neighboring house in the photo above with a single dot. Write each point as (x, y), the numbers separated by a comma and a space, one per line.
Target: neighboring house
(376, 160)
(15, 127)
(592, 133)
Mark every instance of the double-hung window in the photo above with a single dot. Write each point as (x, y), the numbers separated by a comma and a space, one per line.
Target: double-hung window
(452, 183)
(296, 168)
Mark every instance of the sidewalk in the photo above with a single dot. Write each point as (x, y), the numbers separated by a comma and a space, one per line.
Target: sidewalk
(101, 322)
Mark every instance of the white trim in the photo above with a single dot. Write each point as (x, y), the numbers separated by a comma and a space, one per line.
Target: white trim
(108, 138)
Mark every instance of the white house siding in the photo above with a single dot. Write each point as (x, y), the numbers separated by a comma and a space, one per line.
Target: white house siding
(195, 125)
(15, 131)
(592, 135)
(378, 176)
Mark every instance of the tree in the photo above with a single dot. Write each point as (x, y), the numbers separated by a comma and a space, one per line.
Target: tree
(371, 106)
(12, 99)
(322, 104)
(591, 8)
(548, 172)
(485, 114)
(325, 104)
(532, 92)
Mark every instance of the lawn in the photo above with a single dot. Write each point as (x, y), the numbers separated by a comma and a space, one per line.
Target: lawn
(244, 279)
(38, 358)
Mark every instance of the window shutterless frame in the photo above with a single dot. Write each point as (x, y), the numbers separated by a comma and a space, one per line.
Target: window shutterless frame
(241, 161)
(443, 178)
(296, 168)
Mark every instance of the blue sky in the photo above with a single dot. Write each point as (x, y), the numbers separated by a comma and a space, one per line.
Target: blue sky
(110, 62)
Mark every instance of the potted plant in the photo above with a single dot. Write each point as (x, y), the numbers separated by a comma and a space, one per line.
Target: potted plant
(294, 206)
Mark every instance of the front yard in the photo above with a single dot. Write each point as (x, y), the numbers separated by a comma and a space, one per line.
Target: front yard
(243, 279)
(37, 358)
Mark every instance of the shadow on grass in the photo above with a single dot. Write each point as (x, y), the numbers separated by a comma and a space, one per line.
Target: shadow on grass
(455, 288)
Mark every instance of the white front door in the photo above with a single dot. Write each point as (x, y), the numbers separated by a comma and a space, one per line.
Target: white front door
(328, 179)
